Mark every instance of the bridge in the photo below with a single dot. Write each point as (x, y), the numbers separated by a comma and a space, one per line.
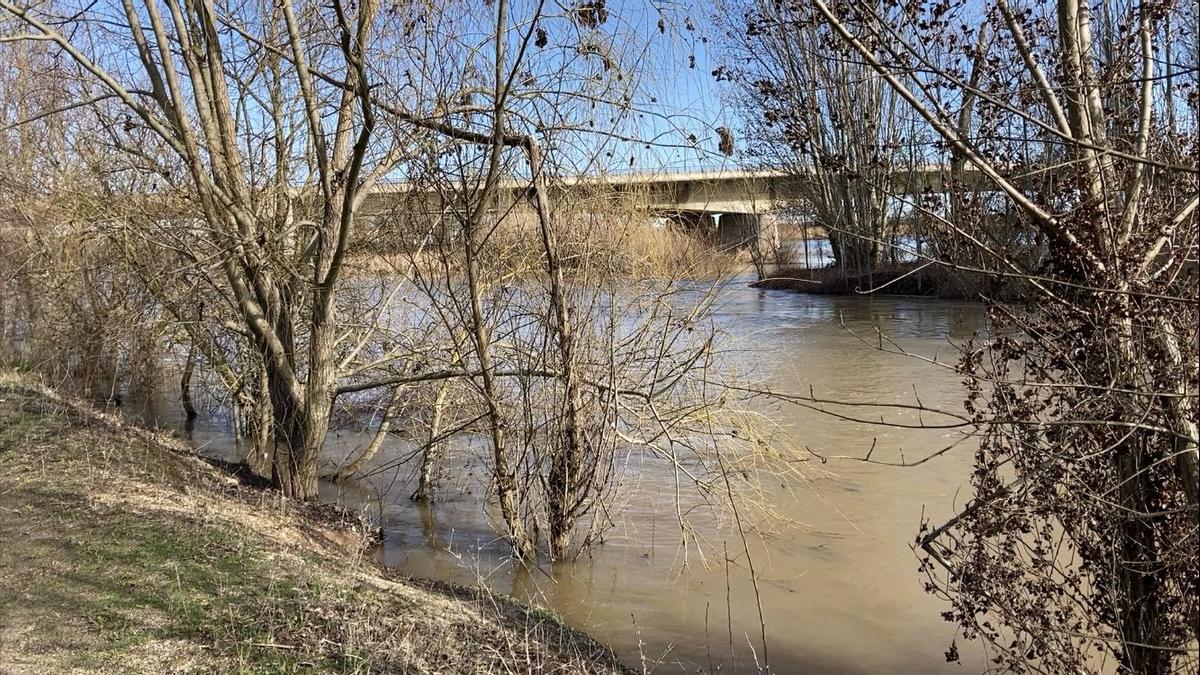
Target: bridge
(730, 204)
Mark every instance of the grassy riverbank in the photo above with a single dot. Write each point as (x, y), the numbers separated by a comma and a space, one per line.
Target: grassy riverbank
(123, 552)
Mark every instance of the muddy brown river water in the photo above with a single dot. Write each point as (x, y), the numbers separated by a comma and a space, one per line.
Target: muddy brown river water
(840, 588)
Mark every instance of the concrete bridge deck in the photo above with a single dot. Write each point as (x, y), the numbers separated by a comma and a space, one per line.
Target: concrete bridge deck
(730, 203)
(718, 191)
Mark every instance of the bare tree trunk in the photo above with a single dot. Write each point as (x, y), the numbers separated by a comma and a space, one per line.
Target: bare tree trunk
(1137, 605)
(432, 447)
(295, 469)
(185, 385)
(3, 307)
(1182, 406)
(377, 440)
(261, 426)
(564, 499)
(506, 482)
(299, 432)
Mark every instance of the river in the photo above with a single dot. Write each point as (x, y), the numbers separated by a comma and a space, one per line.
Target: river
(839, 586)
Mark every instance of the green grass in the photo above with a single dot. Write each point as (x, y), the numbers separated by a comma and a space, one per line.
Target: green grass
(134, 579)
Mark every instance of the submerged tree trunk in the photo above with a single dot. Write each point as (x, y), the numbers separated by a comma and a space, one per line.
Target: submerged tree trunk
(385, 427)
(432, 447)
(567, 485)
(506, 482)
(507, 489)
(851, 253)
(185, 385)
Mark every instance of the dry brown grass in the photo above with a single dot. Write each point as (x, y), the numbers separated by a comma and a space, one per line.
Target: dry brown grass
(125, 553)
(615, 238)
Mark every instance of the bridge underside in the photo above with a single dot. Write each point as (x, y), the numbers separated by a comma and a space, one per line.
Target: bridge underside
(725, 230)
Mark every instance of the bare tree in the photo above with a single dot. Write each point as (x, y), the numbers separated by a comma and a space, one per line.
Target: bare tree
(280, 146)
(831, 123)
(1080, 544)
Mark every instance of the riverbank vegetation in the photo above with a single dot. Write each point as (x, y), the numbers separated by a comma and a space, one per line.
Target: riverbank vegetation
(124, 552)
(601, 240)
(1065, 137)
(250, 156)
(331, 213)
(898, 279)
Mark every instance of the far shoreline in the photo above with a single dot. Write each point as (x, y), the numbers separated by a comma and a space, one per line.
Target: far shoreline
(900, 280)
